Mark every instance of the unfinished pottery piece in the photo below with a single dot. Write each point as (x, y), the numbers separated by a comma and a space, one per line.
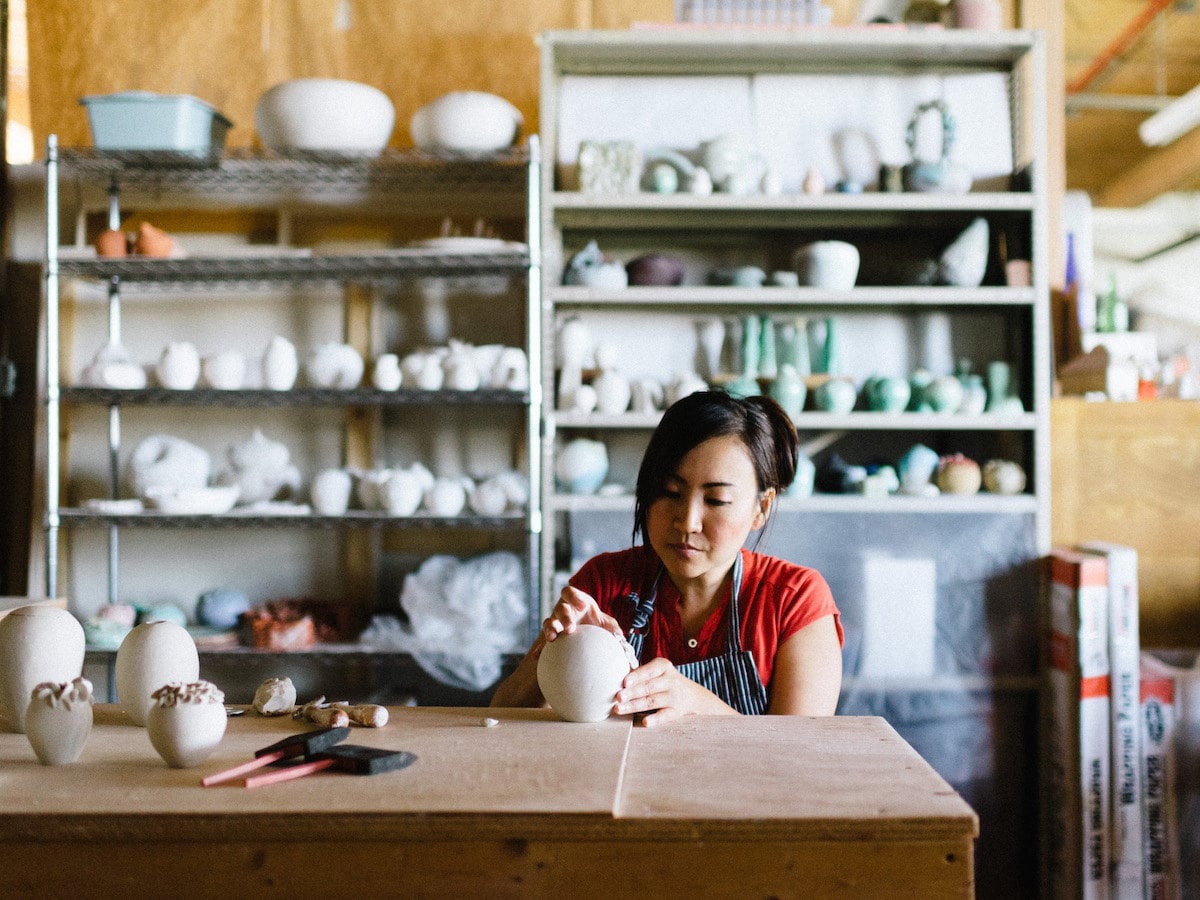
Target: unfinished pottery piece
(153, 654)
(178, 367)
(466, 122)
(330, 492)
(112, 367)
(225, 371)
(334, 365)
(386, 374)
(958, 474)
(37, 644)
(964, 262)
(164, 462)
(186, 722)
(260, 468)
(1003, 476)
(59, 720)
(580, 673)
(582, 466)
(280, 364)
(832, 265)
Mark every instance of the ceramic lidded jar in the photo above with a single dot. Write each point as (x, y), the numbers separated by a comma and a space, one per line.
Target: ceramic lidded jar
(153, 654)
(580, 673)
(59, 720)
(186, 722)
(37, 644)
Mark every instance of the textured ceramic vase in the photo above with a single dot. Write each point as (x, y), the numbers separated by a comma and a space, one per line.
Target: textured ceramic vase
(59, 720)
(580, 673)
(186, 722)
(957, 474)
(152, 655)
(37, 644)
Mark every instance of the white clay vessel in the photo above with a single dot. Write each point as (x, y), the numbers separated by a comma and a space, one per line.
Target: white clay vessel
(186, 722)
(580, 673)
(466, 122)
(59, 720)
(178, 367)
(153, 654)
(37, 644)
(324, 115)
(280, 364)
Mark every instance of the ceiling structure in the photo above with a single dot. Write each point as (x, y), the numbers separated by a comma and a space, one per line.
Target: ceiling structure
(1124, 59)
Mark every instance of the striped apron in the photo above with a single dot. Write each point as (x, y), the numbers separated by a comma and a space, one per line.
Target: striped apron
(733, 676)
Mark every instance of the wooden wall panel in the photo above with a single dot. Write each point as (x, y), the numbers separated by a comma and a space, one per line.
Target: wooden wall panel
(1130, 472)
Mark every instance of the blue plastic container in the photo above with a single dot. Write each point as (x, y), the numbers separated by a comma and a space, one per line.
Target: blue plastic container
(144, 120)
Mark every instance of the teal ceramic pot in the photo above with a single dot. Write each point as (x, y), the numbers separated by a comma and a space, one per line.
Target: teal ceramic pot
(837, 395)
(944, 394)
(918, 381)
(888, 394)
(916, 468)
(742, 386)
(789, 391)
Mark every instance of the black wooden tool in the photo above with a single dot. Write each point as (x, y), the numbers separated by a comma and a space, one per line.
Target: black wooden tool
(305, 744)
(352, 758)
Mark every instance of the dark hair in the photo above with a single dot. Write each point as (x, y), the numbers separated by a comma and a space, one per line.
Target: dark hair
(759, 422)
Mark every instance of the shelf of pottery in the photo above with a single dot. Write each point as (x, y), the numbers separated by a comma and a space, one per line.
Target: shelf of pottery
(346, 392)
(858, 235)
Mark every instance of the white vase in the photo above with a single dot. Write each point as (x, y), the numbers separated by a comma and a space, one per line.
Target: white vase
(186, 722)
(386, 374)
(446, 498)
(178, 367)
(710, 334)
(333, 365)
(612, 392)
(280, 365)
(59, 720)
(225, 371)
(330, 492)
(832, 265)
(37, 644)
(153, 654)
(401, 493)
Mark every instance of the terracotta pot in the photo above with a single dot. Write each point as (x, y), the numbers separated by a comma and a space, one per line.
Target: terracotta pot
(112, 243)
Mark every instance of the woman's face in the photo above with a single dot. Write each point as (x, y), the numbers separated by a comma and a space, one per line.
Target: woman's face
(709, 506)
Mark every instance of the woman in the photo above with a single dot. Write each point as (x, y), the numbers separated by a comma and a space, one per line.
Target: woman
(718, 629)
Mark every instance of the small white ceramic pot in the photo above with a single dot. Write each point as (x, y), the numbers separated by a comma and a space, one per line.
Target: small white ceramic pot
(466, 122)
(580, 673)
(447, 497)
(280, 365)
(490, 498)
(1003, 476)
(582, 466)
(334, 365)
(832, 265)
(153, 654)
(613, 392)
(186, 722)
(178, 367)
(324, 115)
(37, 644)
(958, 474)
(386, 374)
(225, 371)
(330, 492)
(59, 720)
(401, 493)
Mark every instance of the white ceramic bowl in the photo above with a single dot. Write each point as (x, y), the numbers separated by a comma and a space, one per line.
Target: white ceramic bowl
(466, 122)
(324, 115)
(201, 501)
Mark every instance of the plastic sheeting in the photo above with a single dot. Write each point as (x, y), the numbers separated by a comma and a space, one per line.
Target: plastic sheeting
(463, 615)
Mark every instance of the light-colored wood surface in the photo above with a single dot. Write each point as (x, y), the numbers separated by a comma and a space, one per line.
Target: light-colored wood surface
(683, 770)
(529, 763)
(521, 809)
(1130, 473)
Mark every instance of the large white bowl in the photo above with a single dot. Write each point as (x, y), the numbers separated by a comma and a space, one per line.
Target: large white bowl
(324, 115)
(466, 122)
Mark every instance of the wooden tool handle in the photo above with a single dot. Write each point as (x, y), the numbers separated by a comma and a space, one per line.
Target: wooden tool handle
(329, 716)
(287, 774)
(368, 714)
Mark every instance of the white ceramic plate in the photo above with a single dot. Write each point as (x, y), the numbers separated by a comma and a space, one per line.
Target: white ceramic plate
(467, 245)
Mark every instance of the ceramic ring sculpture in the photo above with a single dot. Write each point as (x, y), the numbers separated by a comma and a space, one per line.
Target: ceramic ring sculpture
(580, 673)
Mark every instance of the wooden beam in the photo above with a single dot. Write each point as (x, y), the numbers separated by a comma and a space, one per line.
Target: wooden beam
(1158, 172)
(1047, 16)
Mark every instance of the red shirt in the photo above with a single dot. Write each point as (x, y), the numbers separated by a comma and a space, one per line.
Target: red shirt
(778, 599)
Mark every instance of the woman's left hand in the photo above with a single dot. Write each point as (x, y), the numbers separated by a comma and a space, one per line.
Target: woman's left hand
(657, 688)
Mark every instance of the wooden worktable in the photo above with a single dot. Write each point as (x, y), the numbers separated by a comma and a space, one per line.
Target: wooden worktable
(709, 806)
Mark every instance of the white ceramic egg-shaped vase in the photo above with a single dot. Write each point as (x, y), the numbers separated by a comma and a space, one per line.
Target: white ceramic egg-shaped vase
(153, 654)
(186, 722)
(59, 720)
(37, 643)
(580, 673)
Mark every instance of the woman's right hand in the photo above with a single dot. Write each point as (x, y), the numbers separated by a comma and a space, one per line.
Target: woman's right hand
(575, 608)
